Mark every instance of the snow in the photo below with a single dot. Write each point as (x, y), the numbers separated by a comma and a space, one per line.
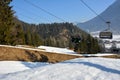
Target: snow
(16, 66)
(69, 52)
(108, 46)
(57, 50)
(76, 69)
(98, 54)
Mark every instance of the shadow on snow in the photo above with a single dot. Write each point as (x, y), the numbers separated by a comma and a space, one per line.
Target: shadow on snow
(103, 68)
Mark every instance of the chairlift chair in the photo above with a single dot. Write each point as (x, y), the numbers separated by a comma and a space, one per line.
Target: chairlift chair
(106, 34)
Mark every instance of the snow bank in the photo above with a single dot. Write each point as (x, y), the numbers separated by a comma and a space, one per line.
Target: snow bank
(98, 55)
(70, 52)
(56, 50)
(76, 69)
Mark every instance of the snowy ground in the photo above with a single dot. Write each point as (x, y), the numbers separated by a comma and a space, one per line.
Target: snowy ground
(76, 69)
(70, 52)
(16, 66)
(57, 50)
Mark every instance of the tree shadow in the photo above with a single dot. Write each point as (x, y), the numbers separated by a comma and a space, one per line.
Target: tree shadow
(103, 68)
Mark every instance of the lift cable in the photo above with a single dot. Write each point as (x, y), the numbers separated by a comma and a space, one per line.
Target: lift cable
(44, 10)
(106, 34)
(93, 11)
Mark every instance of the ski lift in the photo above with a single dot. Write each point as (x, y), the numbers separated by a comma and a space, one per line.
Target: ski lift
(106, 34)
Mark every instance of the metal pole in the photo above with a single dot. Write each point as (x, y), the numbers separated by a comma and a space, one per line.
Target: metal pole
(108, 22)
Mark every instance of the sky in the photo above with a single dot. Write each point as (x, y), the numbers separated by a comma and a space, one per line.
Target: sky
(50, 11)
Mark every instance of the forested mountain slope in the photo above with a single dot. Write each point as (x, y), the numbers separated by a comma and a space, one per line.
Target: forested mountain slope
(55, 34)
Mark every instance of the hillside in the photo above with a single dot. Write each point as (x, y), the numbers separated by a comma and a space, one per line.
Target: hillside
(55, 34)
(110, 14)
(61, 35)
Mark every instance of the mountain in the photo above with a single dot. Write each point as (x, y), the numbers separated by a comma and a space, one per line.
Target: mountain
(112, 14)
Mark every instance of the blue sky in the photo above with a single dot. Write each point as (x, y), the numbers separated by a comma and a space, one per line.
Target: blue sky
(69, 10)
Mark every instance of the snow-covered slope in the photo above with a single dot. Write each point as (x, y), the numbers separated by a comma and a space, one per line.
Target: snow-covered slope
(57, 50)
(16, 66)
(70, 52)
(112, 14)
(76, 69)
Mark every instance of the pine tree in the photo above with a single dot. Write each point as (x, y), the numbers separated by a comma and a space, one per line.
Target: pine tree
(36, 40)
(89, 45)
(28, 38)
(18, 36)
(6, 21)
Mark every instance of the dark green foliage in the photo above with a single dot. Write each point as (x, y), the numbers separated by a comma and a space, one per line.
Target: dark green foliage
(56, 34)
(10, 32)
(28, 39)
(6, 21)
(17, 36)
(89, 45)
(36, 40)
(32, 39)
